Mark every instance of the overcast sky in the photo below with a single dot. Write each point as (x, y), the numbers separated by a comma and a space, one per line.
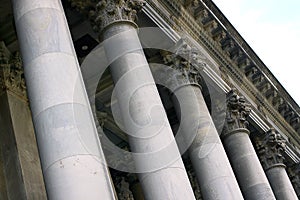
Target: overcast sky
(272, 29)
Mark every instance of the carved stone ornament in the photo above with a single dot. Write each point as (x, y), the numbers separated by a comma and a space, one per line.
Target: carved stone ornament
(106, 12)
(123, 189)
(237, 112)
(270, 150)
(294, 174)
(191, 5)
(186, 64)
(11, 72)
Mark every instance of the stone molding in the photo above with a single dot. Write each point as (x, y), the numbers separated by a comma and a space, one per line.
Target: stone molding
(199, 21)
(195, 18)
(11, 72)
(270, 150)
(104, 13)
(236, 114)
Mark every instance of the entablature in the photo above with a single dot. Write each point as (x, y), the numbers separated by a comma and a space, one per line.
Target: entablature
(239, 64)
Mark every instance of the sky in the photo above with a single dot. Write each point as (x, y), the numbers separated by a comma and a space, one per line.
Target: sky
(272, 29)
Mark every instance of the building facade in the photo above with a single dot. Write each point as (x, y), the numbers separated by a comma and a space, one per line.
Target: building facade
(139, 99)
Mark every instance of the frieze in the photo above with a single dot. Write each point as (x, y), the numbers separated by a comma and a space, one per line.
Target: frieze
(111, 11)
(212, 39)
(11, 72)
(237, 112)
(270, 149)
(238, 72)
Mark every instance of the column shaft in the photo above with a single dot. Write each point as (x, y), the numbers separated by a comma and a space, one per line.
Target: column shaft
(248, 170)
(207, 153)
(244, 161)
(72, 160)
(281, 184)
(143, 115)
(270, 151)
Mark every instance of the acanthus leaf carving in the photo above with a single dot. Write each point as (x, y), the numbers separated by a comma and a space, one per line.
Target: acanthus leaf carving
(123, 189)
(270, 150)
(237, 112)
(187, 64)
(103, 13)
(11, 72)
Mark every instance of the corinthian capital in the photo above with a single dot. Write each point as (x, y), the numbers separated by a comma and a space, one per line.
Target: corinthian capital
(270, 150)
(103, 13)
(237, 112)
(11, 72)
(186, 64)
(108, 12)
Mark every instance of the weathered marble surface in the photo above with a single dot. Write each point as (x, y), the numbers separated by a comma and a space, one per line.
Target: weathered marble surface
(72, 160)
(163, 174)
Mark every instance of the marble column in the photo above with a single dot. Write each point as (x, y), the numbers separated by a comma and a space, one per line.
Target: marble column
(294, 174)
(207, 154)
(162, 175)
(270, 151)
(71, 156)
(241, 153)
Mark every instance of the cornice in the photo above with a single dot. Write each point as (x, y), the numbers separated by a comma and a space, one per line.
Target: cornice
(234, 62)
(211, 34)
(239, 39)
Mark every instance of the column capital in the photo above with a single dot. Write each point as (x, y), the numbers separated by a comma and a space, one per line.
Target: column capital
(104, 13)
(108, 12)
(11, 72)
(187, 64)
(270, 150)
(236, 114)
